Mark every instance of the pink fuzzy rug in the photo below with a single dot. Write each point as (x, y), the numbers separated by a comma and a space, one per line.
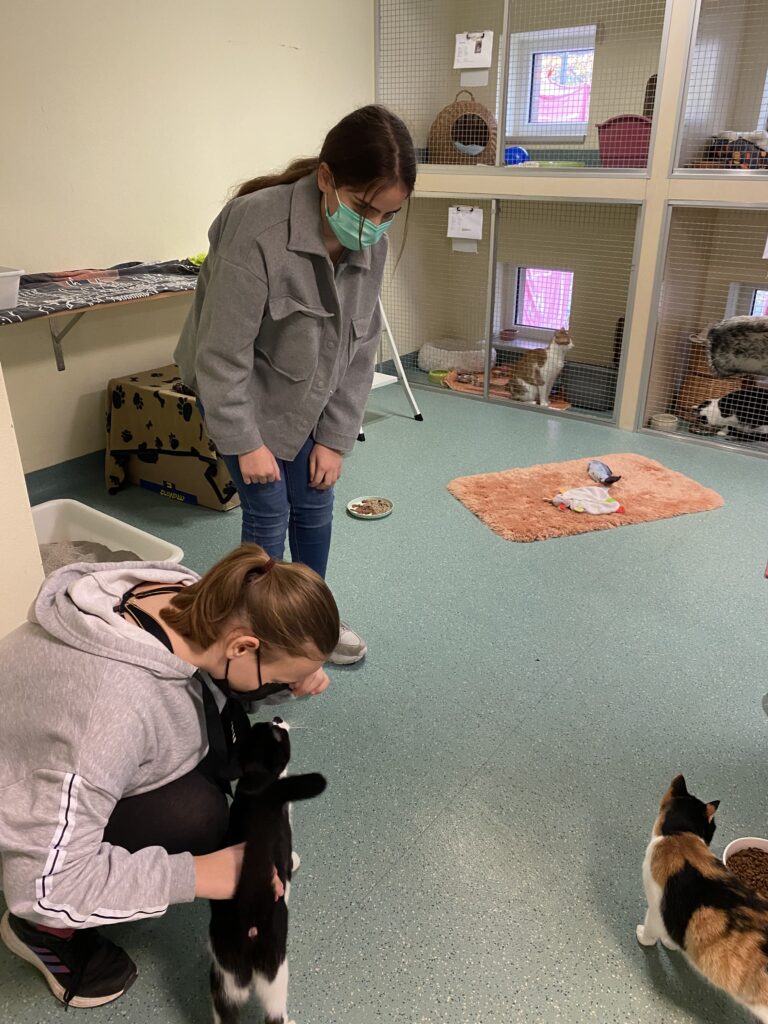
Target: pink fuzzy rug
(516, 502)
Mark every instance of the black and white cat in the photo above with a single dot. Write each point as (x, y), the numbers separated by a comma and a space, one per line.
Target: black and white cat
(249, 934)
(743, 412)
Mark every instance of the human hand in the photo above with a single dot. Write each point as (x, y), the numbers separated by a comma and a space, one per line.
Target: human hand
(259, 466)
(311, 685)
(277, 886)
(217, 874)
(324, 467)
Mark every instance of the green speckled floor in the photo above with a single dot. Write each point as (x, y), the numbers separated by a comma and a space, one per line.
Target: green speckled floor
(496, 763)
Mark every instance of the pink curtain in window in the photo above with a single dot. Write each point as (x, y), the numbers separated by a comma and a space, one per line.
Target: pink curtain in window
(563, 103)
(547, 298)
(760, 307)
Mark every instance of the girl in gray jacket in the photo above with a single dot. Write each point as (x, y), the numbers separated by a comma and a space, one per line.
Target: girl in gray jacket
(118, 735)
(281, 341)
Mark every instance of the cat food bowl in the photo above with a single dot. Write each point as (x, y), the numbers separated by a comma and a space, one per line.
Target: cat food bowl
(746, 843)
(747, 858)
(369, 507)
(438, 376)
(664, 421)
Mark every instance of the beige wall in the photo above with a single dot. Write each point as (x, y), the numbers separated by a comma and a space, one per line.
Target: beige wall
(22, 571)
(129, 125)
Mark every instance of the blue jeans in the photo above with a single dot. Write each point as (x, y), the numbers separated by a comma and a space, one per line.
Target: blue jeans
(289, 506)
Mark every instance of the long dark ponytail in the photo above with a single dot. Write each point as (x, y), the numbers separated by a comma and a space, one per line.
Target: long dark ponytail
(369, 147)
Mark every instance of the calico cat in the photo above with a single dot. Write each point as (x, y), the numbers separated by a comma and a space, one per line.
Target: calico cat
(695, 904)
(248, 934)
(739, 345)
(533, 376)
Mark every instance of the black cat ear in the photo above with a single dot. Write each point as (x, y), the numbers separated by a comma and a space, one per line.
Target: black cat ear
(678, 787)
(711, 808)
(278, 734)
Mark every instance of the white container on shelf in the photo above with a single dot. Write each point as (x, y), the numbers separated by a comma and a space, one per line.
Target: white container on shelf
(65, 519)
(9, 287)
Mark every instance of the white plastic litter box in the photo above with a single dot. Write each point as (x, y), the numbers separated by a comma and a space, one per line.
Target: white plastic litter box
(9, 287)
(65, 519)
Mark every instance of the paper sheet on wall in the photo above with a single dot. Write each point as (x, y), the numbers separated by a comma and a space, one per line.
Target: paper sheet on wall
(465, 222)
(477, 79)
(463, 245)
(473, 50)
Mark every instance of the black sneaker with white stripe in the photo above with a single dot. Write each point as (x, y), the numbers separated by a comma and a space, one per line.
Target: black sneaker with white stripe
(83, 971)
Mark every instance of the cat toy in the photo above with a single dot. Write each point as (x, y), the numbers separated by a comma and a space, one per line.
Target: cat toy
(739, 345)
(594, 500)
(601, 473)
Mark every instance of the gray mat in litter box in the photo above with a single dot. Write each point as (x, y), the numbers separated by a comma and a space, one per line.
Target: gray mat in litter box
(65, 552)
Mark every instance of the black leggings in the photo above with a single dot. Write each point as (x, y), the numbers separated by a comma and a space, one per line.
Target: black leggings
(189, 815)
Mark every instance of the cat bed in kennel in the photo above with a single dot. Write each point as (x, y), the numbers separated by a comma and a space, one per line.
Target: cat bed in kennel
(473, 384)
(448, 355)
(464, 132)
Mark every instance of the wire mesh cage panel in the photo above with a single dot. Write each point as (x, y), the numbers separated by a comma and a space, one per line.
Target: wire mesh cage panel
(726, 105)
(576, 89)
(582, 80)
(713, 271)
(417, 80)
(562, 266)
(435, 297)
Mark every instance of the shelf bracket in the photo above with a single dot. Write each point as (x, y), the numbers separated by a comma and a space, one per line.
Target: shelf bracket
(56, 339)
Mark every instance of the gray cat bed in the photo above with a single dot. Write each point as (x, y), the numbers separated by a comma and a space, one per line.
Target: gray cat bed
(739, 345)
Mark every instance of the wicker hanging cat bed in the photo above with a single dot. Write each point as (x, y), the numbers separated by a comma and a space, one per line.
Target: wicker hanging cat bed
(464, 132)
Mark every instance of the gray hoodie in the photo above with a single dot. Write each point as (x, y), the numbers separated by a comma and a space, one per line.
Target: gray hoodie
(93, 710)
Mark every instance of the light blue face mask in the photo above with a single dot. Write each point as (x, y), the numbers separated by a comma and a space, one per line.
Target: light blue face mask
(346, 225)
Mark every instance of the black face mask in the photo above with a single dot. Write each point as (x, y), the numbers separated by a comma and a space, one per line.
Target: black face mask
(262, 691)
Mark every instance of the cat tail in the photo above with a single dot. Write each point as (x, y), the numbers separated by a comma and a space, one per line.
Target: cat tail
(299, 787)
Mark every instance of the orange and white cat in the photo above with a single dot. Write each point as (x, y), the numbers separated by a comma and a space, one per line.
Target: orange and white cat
(533, 376)
(699, 907)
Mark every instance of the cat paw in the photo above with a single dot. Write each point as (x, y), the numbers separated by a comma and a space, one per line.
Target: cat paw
(643, 937)
(668, 943)
(295, 865)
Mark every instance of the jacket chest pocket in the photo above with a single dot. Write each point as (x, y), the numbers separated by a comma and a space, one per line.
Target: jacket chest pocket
(290, 336)
(358, 331)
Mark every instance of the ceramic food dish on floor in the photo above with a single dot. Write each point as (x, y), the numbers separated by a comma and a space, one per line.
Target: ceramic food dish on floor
(746, 843)
(369, 507)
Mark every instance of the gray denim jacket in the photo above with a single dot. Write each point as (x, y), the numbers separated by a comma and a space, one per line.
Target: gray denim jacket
(279, 344)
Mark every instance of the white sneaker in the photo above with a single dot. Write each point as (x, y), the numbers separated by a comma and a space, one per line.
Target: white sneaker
(350, 648)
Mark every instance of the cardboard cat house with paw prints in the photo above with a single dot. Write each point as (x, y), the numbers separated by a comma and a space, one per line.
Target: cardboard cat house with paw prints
(157, 440)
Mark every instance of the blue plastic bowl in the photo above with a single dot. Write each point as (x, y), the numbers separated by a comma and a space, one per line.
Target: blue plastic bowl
(516, 155)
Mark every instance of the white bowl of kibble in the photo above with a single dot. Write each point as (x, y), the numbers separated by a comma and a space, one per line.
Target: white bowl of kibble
(747, 858)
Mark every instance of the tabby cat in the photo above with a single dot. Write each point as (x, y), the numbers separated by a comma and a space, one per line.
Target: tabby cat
(533, 376)
(249, 934)
(696, 905)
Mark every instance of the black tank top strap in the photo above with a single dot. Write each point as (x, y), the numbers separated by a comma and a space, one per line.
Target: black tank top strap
(225, 729)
